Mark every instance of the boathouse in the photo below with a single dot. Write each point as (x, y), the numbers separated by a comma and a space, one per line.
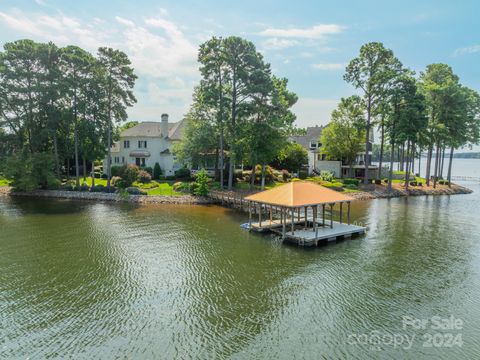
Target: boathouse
(302, 212)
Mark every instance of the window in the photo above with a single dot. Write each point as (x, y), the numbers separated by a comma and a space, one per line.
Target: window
(313, 144)
(142, 144)
(117, 160)
(123, 159)
(126, 144)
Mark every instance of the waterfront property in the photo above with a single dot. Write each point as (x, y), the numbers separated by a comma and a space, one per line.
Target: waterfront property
(302, 212)
(317, 162)
(148, 143)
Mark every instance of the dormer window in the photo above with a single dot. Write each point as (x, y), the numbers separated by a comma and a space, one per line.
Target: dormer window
(313, 144)
(142, 144)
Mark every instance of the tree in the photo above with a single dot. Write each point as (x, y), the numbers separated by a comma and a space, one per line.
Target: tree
(119, 82)
(292, 157)
(75, 65)
(373, 71)
(344, 135)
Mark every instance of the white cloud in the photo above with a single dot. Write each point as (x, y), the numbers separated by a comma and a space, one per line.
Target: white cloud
(124, 21)
(161, 54)
(329, 66)
(278, 44)
(315, 32)
(467, 50)
(41, 2)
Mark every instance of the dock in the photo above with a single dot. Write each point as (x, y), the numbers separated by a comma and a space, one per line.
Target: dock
(299, 211)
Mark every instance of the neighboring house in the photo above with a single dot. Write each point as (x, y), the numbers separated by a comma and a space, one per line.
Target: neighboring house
(148, 143)
(318, 163)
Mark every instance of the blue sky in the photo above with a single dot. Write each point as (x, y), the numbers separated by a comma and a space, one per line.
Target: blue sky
(309, 42)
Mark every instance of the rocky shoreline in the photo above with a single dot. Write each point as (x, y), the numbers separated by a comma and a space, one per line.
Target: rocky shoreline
(367, 192)
(84, 195)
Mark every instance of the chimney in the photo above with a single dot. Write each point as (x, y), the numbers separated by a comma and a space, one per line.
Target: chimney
(164, 126)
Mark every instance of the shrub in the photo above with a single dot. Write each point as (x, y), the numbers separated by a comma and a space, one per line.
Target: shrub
(97, 188)
(378, 181)
(286, 175)
(53, 184)
(327, 176)
(116, 170)
(66, 187)
(183, 173)
(169, 177)
(129, 174)
(149, 170)
(104, 176)
(201, 183)
(351, 182)
(385, 181)
(350, 186)
(157, 171)
(144, 177)
(115, 180)
(413, 183)
(135, 191)
(83, 187)
(178, 186)
(162, 177)
(302, 174)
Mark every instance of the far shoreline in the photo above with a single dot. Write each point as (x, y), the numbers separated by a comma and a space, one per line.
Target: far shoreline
(369, 192)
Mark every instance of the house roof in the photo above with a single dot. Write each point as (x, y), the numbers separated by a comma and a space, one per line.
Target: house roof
(313, 133)
(154, 129)
(298, 194)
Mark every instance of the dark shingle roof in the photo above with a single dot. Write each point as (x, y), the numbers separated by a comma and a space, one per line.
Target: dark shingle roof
(313, 133)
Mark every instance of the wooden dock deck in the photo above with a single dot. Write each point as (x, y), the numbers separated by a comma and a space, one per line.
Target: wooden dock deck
(310, 236)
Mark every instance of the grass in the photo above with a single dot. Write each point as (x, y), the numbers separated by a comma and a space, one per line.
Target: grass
(164, 189)
(4, 182)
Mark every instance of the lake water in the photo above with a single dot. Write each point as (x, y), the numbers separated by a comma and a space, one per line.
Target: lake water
(88, 280)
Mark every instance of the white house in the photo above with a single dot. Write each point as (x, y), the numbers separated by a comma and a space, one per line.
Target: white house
(148, 143)
(318, 163)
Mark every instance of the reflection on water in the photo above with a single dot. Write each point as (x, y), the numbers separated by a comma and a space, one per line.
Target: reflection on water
(88, 280)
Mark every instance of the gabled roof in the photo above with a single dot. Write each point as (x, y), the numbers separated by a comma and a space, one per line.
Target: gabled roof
(298, 194)
(313, 133)
(154, 129)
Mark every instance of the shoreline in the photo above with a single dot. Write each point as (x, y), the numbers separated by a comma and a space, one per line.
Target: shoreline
(367, 192)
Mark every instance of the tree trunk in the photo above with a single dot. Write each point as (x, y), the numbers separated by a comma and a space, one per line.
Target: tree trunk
(367, 139)
(252, 177)
(109, 133)
(437, 160)
(215, 170)
(55, 149)
(407, 166)
(77, 164)
(443, 162)
(390, 171)
(84, 169)
(263, 177)
(234, 118)
(68, 168)
(450, 168)
(402, 161)
(382, 142)
(429, 164)
(419, 162)
(222, 159)
(412, 157)
(93, 173)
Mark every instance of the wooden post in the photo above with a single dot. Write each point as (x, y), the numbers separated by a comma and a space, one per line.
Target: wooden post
(305, 217)
(271, 214)
(315, 228)
(260, 215)
(341, 209)
(331, 216)
(298, 215)
(283, 214)
(250, 215)
(323, 216)
(293, 220)
(348, 213)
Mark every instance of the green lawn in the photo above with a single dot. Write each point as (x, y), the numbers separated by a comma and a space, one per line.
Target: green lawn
(4, 182)
(163, 189)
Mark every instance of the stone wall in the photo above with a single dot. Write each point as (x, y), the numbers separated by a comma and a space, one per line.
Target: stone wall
(143, 199)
